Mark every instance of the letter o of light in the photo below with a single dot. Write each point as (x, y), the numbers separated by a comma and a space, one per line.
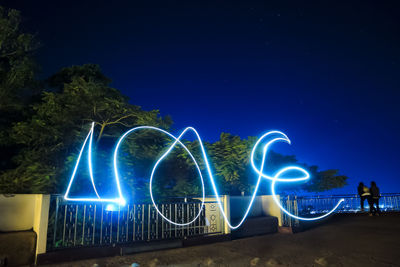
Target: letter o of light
(177, 140)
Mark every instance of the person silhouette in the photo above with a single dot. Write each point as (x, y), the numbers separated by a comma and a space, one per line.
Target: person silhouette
(364, 194)
(375, 195)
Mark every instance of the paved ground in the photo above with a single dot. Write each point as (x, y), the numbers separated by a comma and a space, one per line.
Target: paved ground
(356, 240)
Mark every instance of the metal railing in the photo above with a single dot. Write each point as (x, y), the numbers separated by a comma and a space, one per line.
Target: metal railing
(312, 205)
(75, 224)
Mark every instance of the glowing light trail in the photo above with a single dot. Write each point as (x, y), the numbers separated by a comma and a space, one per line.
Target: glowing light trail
(177, 140)
(90, 137)
(278, 177)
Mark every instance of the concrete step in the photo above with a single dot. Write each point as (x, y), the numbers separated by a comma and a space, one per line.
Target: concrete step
(17, 248)
(256, 226)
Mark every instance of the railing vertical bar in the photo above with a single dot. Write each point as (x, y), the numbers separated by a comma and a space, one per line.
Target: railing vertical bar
(101, 224)
(387, 201)
(156, 225)
(196, 210)
(55, 222)
(170, 218)
(290, 210)
(119, 214)
(127, 225)
(296, 209)
(134, 222)
(94, 223)
(394, 203)
(162, 222)
(143, 221)
(111, 226)
(83, 223)
(199, 219)
(175, 219)
(148, 222)
(187, 218)
(76, 223)
(65, 221)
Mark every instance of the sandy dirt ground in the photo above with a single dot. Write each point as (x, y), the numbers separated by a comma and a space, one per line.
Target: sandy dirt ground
(349, 240)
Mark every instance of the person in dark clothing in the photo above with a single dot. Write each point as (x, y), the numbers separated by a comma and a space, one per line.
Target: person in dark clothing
(375, 195)
(364, 194)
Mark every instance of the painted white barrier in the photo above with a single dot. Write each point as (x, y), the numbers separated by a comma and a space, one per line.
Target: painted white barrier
(21, 212)
(262, 206)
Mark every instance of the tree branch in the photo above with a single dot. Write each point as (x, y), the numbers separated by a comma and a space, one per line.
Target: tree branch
(122, 118)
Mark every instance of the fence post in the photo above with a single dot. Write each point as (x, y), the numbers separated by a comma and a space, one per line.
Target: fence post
(288, 221)
(227, 210)
(296, 210)
(40, 222)
(270, 208)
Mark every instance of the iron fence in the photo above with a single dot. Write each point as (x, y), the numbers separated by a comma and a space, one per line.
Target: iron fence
(311, 205)
(75, 224)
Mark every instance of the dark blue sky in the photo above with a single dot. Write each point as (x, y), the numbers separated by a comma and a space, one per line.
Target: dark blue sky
(325, 73)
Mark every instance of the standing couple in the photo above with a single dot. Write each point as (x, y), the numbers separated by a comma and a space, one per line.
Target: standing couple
(372, 195)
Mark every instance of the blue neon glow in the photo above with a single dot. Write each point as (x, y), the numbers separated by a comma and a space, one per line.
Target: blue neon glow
(177, 140)
(278, 177)
(112, 207)
(120, 200)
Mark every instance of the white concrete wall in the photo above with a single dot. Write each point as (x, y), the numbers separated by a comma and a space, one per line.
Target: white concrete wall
(17, 212)
(40, 222)
(262, 206)
(271, 208)
(239, 206)
(22, 212)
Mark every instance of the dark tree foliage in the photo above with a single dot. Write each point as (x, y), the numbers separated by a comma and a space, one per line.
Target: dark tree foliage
(52, 136)
(324, 180)
(17, 85)
(17, 67)
(230, 162)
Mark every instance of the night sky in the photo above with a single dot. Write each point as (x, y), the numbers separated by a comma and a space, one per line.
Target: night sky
(325, 73)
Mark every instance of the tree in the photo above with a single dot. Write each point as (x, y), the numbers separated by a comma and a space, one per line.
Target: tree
(17, 84)
(17, 67)
(324, 180)
(51, 138)
(230, 162)
(230, 157)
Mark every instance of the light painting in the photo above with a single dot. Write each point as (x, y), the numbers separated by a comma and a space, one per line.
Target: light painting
(268, 138)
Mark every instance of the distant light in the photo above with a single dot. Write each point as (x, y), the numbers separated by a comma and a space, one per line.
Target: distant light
(112, 207)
